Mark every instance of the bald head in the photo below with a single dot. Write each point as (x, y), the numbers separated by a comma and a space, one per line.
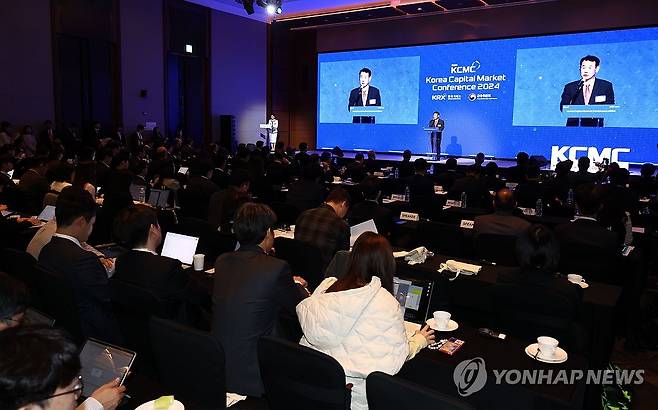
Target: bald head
(505, 200)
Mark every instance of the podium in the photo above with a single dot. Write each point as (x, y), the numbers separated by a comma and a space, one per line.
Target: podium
(430, 131)
(593, 115)
(367, 115)
(270, 137)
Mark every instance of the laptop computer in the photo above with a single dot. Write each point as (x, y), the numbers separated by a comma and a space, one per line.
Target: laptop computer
(181, 247)
(414, 296)
(102, 363)
(159, 198)
(47, 214)
(358, 229)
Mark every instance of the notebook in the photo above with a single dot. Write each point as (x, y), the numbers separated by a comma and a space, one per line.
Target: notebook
(181, 247)
(414, 296)
(358, 229)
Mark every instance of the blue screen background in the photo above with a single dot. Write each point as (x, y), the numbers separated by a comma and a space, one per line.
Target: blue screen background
(521, 114)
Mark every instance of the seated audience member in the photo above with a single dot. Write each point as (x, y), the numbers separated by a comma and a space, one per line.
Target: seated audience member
(556, 189)
(199, 190)
(39, 369)
(405, 167)
(618, 203)
(449, 176)
(538, 254)
(14, 299)
(357, 320)
(582, 176)
(356, 170)
(517, 173)
(586, 230)
(302, 156)
(477, 194)
(370, 208)
(645, 185)
(530, 190)
(219, 175)
(278, 169)
(34, 186)
(137, 227)
(251, 289)
(83, 271)
(103, 166)
(62, 176)
(307, 192)
(479, 160)
(502, 221)
(328, 169)
(225, 203)
(325, 227)
(371, 163)
(491, 180)
(421, 187)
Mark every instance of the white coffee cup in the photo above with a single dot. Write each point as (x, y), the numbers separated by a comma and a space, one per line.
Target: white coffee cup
(574, 278)
(441, 319)
(198, 261)
(547, 346)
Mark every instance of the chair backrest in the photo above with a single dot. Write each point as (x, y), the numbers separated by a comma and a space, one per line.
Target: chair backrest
(305, 259)
(496, 248)
(392, 393)
(527, 311)
(299, 378)
(285, 213)
(211, 242)
(593, 263)
(18, 264)
(57, 300)
(447, 239)
(190, 363)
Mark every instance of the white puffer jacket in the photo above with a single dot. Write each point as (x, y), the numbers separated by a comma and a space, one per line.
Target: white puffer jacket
(363, 329)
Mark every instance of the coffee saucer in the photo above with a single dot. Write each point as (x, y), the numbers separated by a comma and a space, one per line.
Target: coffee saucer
(560, 356)
(452, 325)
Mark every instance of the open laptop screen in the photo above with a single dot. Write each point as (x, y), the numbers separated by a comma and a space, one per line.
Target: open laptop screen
(181, 247)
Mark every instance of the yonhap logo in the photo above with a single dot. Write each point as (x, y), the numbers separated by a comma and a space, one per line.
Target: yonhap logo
(470, 376)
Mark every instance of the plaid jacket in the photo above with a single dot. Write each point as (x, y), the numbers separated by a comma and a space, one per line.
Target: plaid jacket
(323, 228)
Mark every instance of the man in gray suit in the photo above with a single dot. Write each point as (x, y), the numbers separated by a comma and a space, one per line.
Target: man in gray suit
(501, 222)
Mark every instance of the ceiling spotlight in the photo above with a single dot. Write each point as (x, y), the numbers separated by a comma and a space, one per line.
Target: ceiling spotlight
(271, 9)
(279, 10)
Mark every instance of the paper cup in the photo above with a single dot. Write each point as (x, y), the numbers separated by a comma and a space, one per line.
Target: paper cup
(198, 261)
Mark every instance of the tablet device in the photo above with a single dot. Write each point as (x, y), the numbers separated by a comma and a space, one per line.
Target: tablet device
(159, 198)
(181, 247)
(102, 363)
(414, 296)
(47, 214)
(183, 170)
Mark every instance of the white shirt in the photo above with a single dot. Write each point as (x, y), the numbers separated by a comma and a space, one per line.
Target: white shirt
(145, 250)
(67, 237)
(90, 404)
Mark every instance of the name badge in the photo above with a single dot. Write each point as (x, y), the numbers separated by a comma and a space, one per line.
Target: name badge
(409, 216)
(466, 224)
(397, 197)
(453, 203)
(599, 98)
(372, 101)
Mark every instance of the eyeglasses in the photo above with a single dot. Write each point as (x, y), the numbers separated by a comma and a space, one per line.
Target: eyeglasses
(77, 389)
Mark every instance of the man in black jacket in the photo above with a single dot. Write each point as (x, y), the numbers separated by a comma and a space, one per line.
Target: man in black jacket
(137, 227)
(75, 214)
(251, 289)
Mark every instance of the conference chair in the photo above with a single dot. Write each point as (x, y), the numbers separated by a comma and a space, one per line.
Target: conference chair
(57, 300)
(299, 378)
(190, 363)
(496, 248)
(529, 311)
(446, 239)
(133, 306)
(285, 213)
(392, 393)
(211, 242)
(305, 259)
(593, 263)
(18, 264)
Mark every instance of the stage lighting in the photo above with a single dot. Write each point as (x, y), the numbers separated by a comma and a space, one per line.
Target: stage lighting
(271, 9)
(248, 5)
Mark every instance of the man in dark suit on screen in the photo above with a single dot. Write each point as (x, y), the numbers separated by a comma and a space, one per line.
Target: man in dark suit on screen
(589, 90)
(364, 95)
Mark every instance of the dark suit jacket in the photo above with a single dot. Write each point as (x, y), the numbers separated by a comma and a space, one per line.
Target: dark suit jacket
(88, 280)
(223, 205)
(406, 169)
(357, 101)
(33, 187)
(159, 274)
(196, 197)
(304, 194)
(477, 194)
(584, 232)
(499, 224)
(220, 178)
(250, 290)
(572, 94)
(102, 174)
(366, 210)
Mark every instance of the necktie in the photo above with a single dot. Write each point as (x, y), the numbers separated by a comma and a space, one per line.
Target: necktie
(588, 93)
(364, 97)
